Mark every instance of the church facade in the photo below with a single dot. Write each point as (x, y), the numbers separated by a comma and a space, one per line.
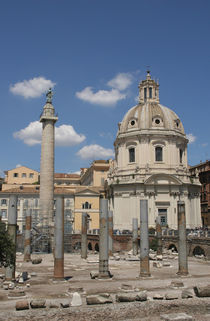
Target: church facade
(151, 163)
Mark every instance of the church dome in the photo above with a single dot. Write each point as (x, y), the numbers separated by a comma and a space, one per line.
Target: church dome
(149, 114)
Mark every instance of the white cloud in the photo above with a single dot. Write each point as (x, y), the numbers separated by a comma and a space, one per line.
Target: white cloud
(106, 135)
(191, 138)
(95, 152)
(31, 135)
(18, 165)
(121, 81)
(65, 135)
(32, 88)
(101, 97)
(204, 144)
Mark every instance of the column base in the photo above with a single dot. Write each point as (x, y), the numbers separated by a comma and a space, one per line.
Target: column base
(142, 274)
(105, 275)
(182, 273)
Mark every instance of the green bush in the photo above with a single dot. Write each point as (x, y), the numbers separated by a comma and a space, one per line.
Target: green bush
(153, 244)
(7, 247)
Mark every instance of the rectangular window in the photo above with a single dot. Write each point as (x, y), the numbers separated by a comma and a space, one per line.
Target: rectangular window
(150, 92)
(23, 174)
(180, 155)
(15, 175)
(3, 201)
(162, 212)
(31, 175)
(131, 155)
(4, 213)
(145, 93)
(158, 154)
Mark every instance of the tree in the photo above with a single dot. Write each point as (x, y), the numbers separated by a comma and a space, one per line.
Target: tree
(7, 247)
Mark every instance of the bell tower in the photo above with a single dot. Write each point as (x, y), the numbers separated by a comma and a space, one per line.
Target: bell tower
(148, 90)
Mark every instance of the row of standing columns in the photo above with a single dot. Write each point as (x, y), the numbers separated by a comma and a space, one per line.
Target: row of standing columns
(105, 239)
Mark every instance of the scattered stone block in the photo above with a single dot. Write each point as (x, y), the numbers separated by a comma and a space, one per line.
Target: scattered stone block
(16, 293)
(76, 300)
(2, 275)
(157, 264)
(177, 284)
(38, 304)
(132, 258)
(54, 305)
(102, 298)
(131, 297)
(202, 291)
(77, 289)
(11, 286)
(117, 258)
(127, 287)
(65, 304)
(6, 285)
(36, 261)
(159, 257)
(187, 293)
(158, 296)
(125, 297)
(28, 285)
(21, 281)
(166, 264)
(94, 274)
(152, 256)
(171, 296)
(141, 296)
(176, 317)
(22, 305)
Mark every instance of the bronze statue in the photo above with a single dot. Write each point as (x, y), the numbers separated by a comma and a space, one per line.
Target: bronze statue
(49, 95)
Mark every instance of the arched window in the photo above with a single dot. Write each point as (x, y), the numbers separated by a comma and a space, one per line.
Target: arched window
(158, 154)
(131, 155)
(86, 205)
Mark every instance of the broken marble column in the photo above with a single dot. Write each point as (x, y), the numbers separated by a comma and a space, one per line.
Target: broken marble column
(104, 241)
(144, 239)
(182, 241)
(12, 231)
(135, 236)
(159, 236)
(84, 236)
(110, 223)
(27, 241)
(59, 239)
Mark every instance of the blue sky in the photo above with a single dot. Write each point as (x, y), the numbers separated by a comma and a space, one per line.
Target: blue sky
(94, 53)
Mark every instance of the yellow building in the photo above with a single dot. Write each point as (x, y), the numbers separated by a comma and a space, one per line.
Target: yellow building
(82, 193)
(96, 174)
(87, 201)
(20, 176)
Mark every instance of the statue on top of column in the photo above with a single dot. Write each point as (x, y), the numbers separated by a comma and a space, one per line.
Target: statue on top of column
(49, 95)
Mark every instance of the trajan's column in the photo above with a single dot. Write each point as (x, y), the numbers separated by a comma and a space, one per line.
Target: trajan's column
(48, 120)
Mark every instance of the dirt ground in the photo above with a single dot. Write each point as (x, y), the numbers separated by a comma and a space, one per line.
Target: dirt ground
(125, 272)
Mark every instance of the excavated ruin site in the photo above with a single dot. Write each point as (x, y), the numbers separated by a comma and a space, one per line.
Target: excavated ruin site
(35, 295)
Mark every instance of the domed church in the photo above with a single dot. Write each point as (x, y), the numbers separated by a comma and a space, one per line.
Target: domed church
(151, 163)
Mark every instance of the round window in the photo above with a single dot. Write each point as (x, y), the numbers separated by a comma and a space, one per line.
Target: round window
(157, 121)
(133, 122)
